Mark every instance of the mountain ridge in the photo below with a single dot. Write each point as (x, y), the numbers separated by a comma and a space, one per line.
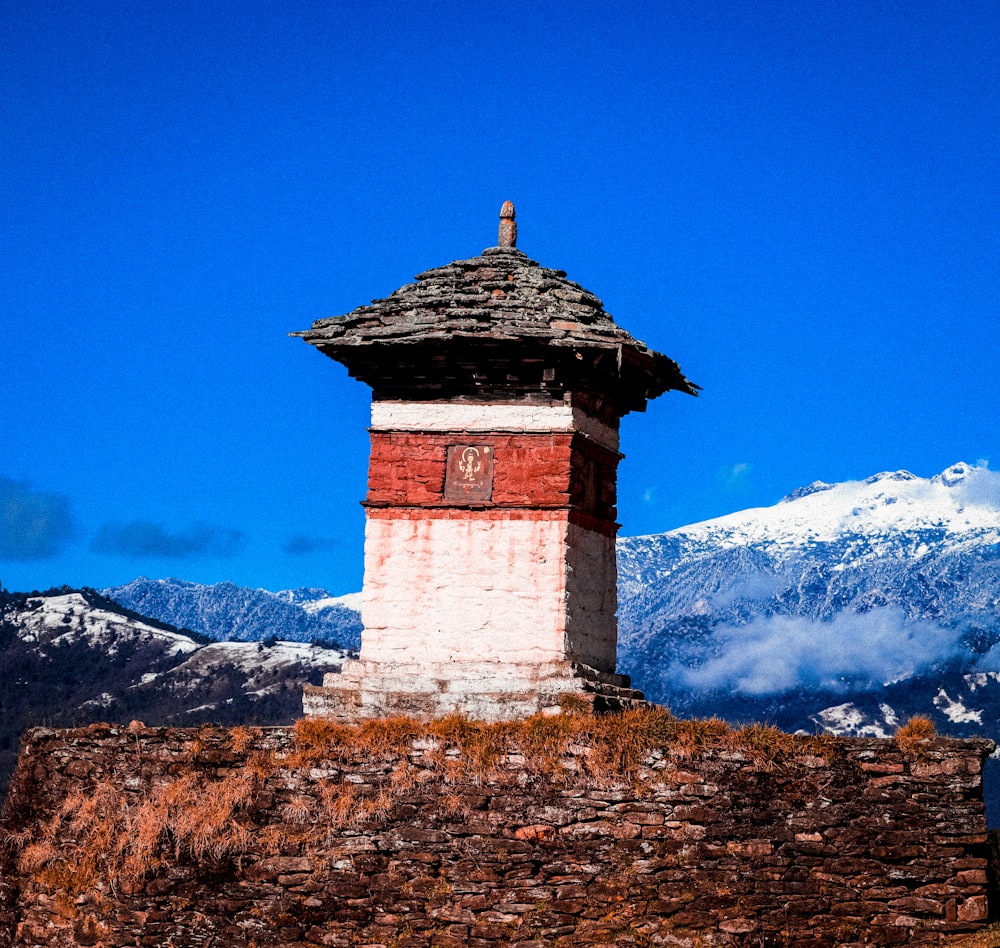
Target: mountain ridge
(226, 612)
(855, 586)
(71, 657)
(844, 607)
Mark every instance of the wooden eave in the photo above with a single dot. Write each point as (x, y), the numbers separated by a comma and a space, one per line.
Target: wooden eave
(492, 327)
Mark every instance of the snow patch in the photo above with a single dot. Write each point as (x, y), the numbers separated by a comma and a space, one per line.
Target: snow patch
(103, 700)
(847, 720)
(955, 711)
(350, 601)
(889, 715)
(68, 618)
(980, 679)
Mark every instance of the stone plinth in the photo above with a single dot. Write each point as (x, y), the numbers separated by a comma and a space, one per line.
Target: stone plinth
(484, 691)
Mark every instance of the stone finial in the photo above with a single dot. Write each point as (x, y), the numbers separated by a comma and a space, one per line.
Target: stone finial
(508, 229)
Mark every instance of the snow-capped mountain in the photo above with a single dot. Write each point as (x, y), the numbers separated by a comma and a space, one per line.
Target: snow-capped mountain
(846, 607)
(73, 657)
(227, 612)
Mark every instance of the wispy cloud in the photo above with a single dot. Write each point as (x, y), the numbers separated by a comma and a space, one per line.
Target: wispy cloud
(302, 544)
(33, 524)
(144, 538)
(853, 650)
(980, 488)
(734, 478)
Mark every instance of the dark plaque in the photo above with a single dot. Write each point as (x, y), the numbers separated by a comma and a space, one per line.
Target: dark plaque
(470, 472)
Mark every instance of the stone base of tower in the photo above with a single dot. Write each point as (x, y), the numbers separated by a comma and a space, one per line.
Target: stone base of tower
(485, 691)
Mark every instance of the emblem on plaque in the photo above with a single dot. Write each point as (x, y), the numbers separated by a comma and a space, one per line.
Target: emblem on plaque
(469, 474)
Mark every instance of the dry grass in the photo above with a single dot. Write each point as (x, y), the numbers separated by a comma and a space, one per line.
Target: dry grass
(623, 742)
(766, 747)
(388, 736)
(617, 746)
(693, 738)
(259, 765)
(987, 938)
(375, 808)
(911, 735)
(36, 856)
(319, 732)
(338, 802)
(316, 738)
(242, 739)
(202, 819)
(110, 837)
(298, 810)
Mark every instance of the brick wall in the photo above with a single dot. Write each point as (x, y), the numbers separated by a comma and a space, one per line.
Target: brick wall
(398, 836)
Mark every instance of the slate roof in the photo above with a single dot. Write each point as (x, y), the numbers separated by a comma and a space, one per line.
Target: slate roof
(499, 307)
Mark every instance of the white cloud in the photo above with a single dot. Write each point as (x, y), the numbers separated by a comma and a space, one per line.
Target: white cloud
(990, 662)
(980, 488)
(852, 650)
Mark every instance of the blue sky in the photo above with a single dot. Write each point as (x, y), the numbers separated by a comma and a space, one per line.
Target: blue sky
(796, 201)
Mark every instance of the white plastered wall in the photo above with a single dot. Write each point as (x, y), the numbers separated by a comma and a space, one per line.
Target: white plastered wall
(465, 590)
(488, 590)
(591, 598)
(487, 417)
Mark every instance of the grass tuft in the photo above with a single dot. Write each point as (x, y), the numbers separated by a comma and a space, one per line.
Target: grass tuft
(242, 739)
(912, 734)
(107, 835)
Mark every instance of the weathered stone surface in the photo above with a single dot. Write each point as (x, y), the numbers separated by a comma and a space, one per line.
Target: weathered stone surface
(484, 690)
(507, 234)
(526, 857)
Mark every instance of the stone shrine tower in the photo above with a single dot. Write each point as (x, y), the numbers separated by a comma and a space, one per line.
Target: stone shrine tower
(490, 582)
